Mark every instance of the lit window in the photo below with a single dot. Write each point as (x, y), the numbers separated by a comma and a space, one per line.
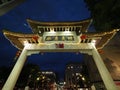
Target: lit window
(77, 74)
(71, 66)
(68, 67)
(78, 77)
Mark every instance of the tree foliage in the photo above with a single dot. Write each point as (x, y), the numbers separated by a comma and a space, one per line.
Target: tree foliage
(105, 14)
(4, 73)
(28, 70)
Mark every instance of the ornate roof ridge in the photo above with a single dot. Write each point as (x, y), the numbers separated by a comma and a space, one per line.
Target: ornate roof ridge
(56, 22)
(18, 34)
(100, 33)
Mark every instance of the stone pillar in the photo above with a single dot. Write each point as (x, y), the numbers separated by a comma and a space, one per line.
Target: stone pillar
(93, 87)
(12, 79)
(104, 73)
(27, 88)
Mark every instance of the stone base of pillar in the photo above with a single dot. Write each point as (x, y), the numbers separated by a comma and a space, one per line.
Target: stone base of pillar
(93, 87)
(26, 87)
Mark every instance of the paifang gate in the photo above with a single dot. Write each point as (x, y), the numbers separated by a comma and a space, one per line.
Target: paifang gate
(59, 37)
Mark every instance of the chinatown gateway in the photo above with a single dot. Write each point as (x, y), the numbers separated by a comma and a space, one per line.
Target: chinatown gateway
(59, 37)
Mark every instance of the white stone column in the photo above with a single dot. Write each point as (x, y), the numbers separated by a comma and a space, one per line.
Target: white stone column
(13, 77)
(104, 73)
(93, 87)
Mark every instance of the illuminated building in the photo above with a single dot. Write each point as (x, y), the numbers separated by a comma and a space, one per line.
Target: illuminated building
(50, 75)
(59, 37)
(74, 75)
(45, 79)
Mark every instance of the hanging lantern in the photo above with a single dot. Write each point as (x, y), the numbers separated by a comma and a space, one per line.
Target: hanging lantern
(83, 37)
(17, 55)
(61, 45)
(100, 51)
(35, 39)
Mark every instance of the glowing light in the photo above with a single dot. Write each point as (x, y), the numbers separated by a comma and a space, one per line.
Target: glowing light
(117, 29)
(66, 31)
(64, 83)
(81, 75)
(25, 43)
(83, 78)
(94, 42)
(51, 29)
(43, 77)
(38, 79)
(39, 31)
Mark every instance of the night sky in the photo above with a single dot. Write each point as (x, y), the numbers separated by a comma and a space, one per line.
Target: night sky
(41, 10)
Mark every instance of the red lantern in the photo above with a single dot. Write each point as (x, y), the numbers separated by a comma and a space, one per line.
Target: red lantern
(83, 37)
(17, 55)
(35, 38)
(100, 51)
(117, 83)
(61, 45)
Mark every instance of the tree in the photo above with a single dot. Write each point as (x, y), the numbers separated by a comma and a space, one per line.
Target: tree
(29, 71)
(4, 73)
(105, 14)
